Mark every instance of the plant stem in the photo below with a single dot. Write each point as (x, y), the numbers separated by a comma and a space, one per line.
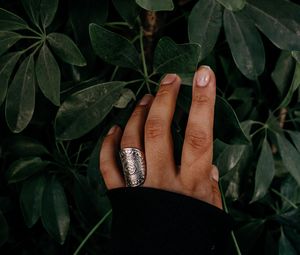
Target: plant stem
(31, 46)
(92, 232)
(117, 24)
(146, 76)
(285, 198)
(134, 81)
(30, 37)
(114, 73)
(34, 31)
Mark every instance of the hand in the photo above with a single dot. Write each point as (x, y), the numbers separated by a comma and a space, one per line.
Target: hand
(149, 129)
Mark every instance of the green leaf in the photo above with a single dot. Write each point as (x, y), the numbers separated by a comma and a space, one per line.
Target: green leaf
(66, 49)
(7, 64)
(23, 168)
(10, 21)
(233, 5)
(265, 171)
(47, 11)
(296, 55)
(285, 247)
(126, 96)
(48, 75)
(113, 48)
(20, 99)
(8, 39)
(245, 44)
(3, 229)
(290, 192)
(31, 199)
(32, 8)
(295, 137)
(290, 156)
(274, 18)
(85, 109)
(55, 212)
(128, 10)
(156, 5)
(204, 24)
(170, 57)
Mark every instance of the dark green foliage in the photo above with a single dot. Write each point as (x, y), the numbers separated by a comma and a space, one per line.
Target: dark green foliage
(69, 70)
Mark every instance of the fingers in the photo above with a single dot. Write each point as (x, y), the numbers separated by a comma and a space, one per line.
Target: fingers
(158, 138)
(197, 148)
(109, 168)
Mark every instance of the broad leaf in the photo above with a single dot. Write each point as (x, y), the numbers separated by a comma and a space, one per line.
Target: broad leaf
(290, 156)
(8, 39)
(296, 55)
(128, 10)
(55, 212)
(295, 137)
(245, 44)
(204, 25)
(23, 168)
(32, 8)
(113, 48)
(10, 21)
(66, 49)
(3, 229)
(274, 18)
(156, 5)
(285, 247)
(20, 99)
(170, 57)
(85, 109)
(290, 192)
(265, 171)
(47, 11)
(233, 5)
(31, 199)
(7, 64)
(48, 75)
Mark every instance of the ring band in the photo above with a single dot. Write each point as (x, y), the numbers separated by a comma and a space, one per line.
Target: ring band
(134, 166)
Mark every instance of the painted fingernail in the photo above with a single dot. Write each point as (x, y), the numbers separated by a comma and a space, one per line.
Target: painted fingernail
(169, 78)
(145, 100)
(112, 130)
(203, 76)
(215, 173)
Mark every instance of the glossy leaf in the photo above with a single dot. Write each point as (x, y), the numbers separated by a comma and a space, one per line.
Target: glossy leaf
(156, 5)
(20, 99)
(204, 25)
(290, 192)
(55, 212)
(47, 11)
(3, 229)
(285, 247)
(290, 156)
(65, 48)
(296, 55)
(31, 199)
(128, 10)
(245, 44)
(10, 21)
(23, 168)
(32, 8)
(7, 64)
(85, 109)
(8, 39)
(233, 5)
(48, 75)
(265, 171)
(295, 137)
(113, 48)
(285, 34)
(170, 57)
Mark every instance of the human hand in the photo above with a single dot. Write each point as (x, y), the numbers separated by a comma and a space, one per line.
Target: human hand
(149, 129)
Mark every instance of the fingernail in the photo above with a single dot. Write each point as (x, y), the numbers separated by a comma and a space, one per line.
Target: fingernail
(203, 76)
(215, 173)
(145, 100)
(112, 130)
(169, 78)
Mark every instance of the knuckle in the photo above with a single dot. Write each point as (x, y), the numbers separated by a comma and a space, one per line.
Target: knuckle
(154, 128)
(128, 140)
(138, 111)
(198, 140)
(163, 91)
(200, 99)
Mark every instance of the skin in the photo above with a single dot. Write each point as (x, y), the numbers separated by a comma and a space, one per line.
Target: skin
(149, 129)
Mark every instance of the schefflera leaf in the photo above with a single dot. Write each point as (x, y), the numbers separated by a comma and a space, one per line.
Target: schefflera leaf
(245, 44)
(47, 11)
(233, 5)
(8, 39)
(32, 8)
(265, 171)
(113, 48)
(85, 109)
(156, 5)
(170, 57)
(204, 25)
(10, 21)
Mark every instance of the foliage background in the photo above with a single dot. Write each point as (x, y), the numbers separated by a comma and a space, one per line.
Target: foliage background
(71, 69)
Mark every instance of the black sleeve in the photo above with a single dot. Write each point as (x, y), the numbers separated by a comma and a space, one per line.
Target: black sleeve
(153, 221)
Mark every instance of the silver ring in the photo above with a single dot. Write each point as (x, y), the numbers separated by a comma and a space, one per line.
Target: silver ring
(134, 166)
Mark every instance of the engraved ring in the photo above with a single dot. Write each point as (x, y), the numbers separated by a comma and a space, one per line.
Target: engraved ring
(134, 166)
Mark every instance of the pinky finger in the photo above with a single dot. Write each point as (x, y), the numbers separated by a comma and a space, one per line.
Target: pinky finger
(108, 165)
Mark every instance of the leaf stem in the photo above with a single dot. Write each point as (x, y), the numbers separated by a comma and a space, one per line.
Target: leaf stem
(92, 232)
(117, 24)
(134, 81)
(146, 76)
(284, 198)
(31, 46)
(34, 31)
(114, 73)
(30, 37)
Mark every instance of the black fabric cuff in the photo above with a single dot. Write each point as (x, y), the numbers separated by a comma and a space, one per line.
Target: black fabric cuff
(154, 221)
